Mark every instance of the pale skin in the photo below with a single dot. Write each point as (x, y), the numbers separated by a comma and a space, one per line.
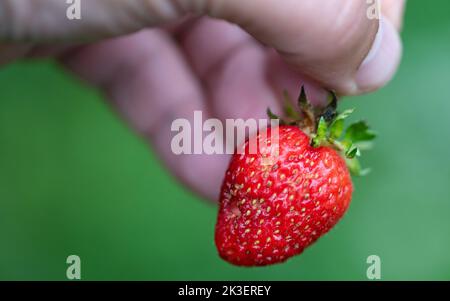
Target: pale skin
(156, 60)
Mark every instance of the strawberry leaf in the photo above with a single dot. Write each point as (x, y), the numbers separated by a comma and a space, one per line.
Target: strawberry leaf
(358, 132)
(322, 130)
(302, 99)
(352, 152)
(337, 126)
(364, 172)
(272, 116)
(364, 145)
(354, 166)
(344, 115)
(289, 107)
(336, 129)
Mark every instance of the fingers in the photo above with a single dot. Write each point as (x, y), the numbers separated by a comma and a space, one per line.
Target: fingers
(148, 82)
(326, 42)
(336, 44)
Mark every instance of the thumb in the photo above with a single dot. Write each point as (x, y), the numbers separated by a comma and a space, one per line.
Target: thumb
(345, 45)
(329, 42)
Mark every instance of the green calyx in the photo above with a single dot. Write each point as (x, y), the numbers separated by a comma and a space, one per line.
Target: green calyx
(326, 127)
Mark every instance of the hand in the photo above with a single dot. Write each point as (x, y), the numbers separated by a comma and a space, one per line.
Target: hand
(194, 58)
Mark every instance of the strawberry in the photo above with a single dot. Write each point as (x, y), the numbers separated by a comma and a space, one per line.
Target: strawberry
(271, 212)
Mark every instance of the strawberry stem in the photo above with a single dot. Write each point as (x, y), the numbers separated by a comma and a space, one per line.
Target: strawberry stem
(325, 127)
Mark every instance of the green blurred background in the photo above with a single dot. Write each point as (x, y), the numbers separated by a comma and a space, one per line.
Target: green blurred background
(75, 180)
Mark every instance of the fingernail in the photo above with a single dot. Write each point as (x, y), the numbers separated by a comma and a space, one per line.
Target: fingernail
(383, 59)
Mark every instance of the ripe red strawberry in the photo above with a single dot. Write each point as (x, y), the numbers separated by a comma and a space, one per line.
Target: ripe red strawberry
(271, 212)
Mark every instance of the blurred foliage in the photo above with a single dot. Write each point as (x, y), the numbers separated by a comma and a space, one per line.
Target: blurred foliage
(75, 180)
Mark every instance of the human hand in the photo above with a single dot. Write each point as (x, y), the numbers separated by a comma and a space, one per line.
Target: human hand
(189, 61)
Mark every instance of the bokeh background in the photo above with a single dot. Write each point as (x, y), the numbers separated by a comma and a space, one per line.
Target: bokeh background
(75, 180)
